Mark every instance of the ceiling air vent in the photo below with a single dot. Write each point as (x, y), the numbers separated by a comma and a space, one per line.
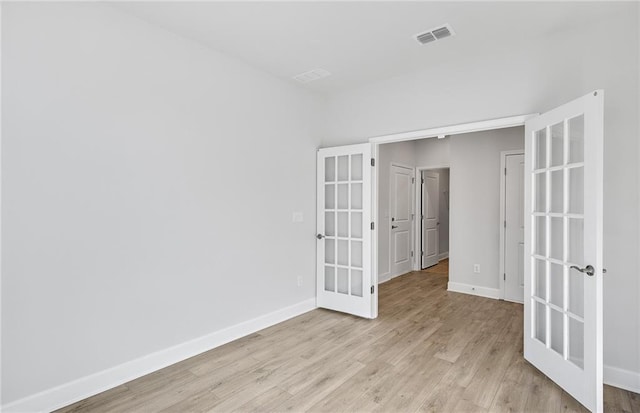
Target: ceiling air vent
(426, 37)
(311, 75)
(435, 34)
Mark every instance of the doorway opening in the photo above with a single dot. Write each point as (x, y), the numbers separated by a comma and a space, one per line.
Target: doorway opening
(434, 216)
(456, 207)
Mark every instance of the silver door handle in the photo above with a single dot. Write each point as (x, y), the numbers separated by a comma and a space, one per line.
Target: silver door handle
(394, 226)
(589, 270)
(319, 236)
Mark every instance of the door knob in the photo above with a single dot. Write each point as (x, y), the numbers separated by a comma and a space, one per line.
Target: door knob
(394, 226)
(319, 236)
(589, 270)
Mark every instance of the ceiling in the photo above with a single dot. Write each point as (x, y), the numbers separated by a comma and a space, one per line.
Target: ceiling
(361, 42)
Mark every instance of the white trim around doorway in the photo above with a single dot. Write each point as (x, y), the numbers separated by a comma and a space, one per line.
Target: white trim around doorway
(479, 126)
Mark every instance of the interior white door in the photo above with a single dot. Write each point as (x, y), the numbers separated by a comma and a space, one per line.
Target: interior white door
(344, 230)
(563, 245)
(514, 229)
(401, 184)
(430, 213)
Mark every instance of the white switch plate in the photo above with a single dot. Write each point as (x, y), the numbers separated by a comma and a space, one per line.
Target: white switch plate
(300, 281)
(476, 268)
(297, 217)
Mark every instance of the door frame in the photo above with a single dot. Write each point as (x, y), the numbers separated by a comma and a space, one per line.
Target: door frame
(412, 237)
(503, 215)
(418, 223)
(478, 126)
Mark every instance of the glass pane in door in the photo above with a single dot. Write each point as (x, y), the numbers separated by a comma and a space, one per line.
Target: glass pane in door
(576, 139)
(557, 239)
(557, 143)
(576, 342)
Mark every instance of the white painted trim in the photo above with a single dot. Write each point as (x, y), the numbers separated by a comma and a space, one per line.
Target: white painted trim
(383, 278)
(437, 166)
(474, 290)
(503, 215)
(479, 126)
(1, 146)
(375, 152)
(621, 378)
(82, 388)
(443, 255)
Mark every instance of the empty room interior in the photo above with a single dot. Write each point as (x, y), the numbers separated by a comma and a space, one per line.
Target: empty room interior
(320, 206)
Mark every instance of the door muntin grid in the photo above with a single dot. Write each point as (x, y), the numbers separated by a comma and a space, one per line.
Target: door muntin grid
(557, 222)
(344, 224)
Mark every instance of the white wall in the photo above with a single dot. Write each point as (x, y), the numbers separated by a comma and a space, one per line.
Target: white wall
(402, 153)
(539, 76)
(148, 187)
(432, 152)
(475, 204)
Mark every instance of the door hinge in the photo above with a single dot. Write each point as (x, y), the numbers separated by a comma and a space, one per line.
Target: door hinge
(422, 217)
(373, 162)
(422, 180)
(422, 253)
(413, 180)
(504, 277)
(505, 223)
(373, 226)
(372, 289)
(412, 253)
(505, 171)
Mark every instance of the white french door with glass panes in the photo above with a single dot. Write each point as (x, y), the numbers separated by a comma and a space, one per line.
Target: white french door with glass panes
(563, 246)
(343, 230)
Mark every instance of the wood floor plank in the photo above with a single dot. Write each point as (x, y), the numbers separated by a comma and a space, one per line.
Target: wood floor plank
(444, 398)
(199, 402)
(430, 350)
(571, 405)
(514, 389)
(543, 395)
(320, 386)
(265, 402)
(634, 399)
(616, 400)
(344, 398)
(408, 394)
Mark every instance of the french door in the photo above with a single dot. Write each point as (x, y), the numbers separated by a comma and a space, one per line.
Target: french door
(563, 246)
(344, 230)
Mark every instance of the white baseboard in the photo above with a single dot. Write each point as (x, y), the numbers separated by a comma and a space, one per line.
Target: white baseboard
(84, 387)
(443, 255)
(624, 379)
(474, 290)
(383, 278)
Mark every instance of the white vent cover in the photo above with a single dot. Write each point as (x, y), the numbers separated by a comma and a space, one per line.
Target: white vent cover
(435, 34)
(312, 75)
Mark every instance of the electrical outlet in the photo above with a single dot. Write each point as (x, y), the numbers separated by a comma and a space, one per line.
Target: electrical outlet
(300, 281)
(476, 268)
(297, 217)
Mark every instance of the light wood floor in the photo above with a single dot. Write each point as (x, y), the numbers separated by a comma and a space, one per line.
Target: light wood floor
(429, 351)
